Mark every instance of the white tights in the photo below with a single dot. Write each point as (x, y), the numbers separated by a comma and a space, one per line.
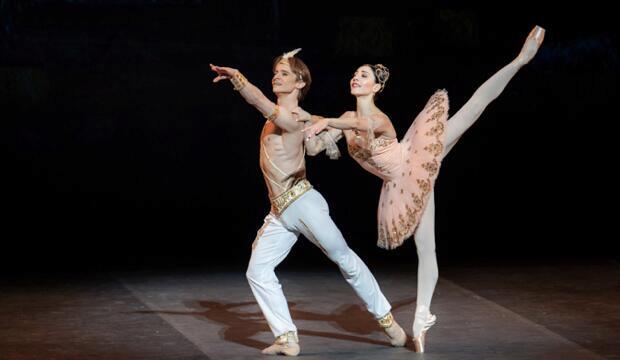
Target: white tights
(457, 125)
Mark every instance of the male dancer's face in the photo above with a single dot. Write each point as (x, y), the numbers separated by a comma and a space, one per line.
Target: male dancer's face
(284, 80)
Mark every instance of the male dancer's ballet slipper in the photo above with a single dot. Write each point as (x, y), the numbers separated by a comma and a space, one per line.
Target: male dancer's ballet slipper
(395, 333)
(285, 344)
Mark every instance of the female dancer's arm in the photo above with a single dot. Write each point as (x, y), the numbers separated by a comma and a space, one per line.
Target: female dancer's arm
(326, 140)
(348, 121)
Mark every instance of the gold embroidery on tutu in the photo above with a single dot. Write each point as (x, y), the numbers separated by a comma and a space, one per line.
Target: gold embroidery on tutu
(392, 235)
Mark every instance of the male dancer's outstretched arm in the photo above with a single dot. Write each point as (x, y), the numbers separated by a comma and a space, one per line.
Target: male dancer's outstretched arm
(282, 117)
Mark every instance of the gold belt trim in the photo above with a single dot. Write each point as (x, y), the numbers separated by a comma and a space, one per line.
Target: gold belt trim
(282, 201)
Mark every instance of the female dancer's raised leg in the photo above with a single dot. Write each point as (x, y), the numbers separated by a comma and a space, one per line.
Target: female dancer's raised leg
(491, 89)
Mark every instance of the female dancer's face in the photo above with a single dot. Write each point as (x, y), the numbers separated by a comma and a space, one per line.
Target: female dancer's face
(363, 82)
(284, 79)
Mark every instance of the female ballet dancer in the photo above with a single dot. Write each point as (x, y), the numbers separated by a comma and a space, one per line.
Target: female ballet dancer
(409, 167)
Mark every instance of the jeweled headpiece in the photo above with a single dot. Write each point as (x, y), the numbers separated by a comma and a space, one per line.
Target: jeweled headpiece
(382, 74)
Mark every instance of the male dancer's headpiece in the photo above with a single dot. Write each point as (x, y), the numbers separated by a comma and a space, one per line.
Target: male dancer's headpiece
(298, 67)
(289, 55)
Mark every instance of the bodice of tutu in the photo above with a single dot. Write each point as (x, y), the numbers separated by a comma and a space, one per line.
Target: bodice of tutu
(381, 157)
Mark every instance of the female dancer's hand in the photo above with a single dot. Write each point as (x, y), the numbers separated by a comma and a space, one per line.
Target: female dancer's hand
(223, 73)
(301, 114)
(318, 125)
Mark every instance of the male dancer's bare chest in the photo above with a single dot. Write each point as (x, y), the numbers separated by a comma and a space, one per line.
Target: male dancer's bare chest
(281, 147)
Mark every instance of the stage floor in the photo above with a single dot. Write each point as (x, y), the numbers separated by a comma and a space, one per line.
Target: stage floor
(559, 311)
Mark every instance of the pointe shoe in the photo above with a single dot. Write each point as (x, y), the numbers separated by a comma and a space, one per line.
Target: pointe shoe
(395, 332)
(418, 342)
(285, 344)
(531, 45)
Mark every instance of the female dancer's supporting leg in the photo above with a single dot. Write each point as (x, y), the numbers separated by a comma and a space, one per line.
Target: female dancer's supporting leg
(457, 125)
(427, 273)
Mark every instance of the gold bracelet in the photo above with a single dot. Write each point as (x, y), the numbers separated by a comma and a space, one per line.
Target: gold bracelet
(274, 114)
(238, 81)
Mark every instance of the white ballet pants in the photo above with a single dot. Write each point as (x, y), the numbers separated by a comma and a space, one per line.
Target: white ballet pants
(308, 215)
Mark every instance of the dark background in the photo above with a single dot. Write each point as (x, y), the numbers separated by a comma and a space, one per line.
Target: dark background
(117, 150)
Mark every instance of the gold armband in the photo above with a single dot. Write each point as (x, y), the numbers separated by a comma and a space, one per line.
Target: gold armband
(274, 114)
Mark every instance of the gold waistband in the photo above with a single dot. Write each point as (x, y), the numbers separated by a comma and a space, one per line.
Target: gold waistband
(282, 201)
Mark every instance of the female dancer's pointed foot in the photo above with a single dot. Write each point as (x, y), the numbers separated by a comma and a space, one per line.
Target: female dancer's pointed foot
(418, 341)
(393, 330)
(531, 45)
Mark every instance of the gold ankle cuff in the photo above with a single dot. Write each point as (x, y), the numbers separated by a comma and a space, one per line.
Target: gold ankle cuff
(386, 321)
(287, 337)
